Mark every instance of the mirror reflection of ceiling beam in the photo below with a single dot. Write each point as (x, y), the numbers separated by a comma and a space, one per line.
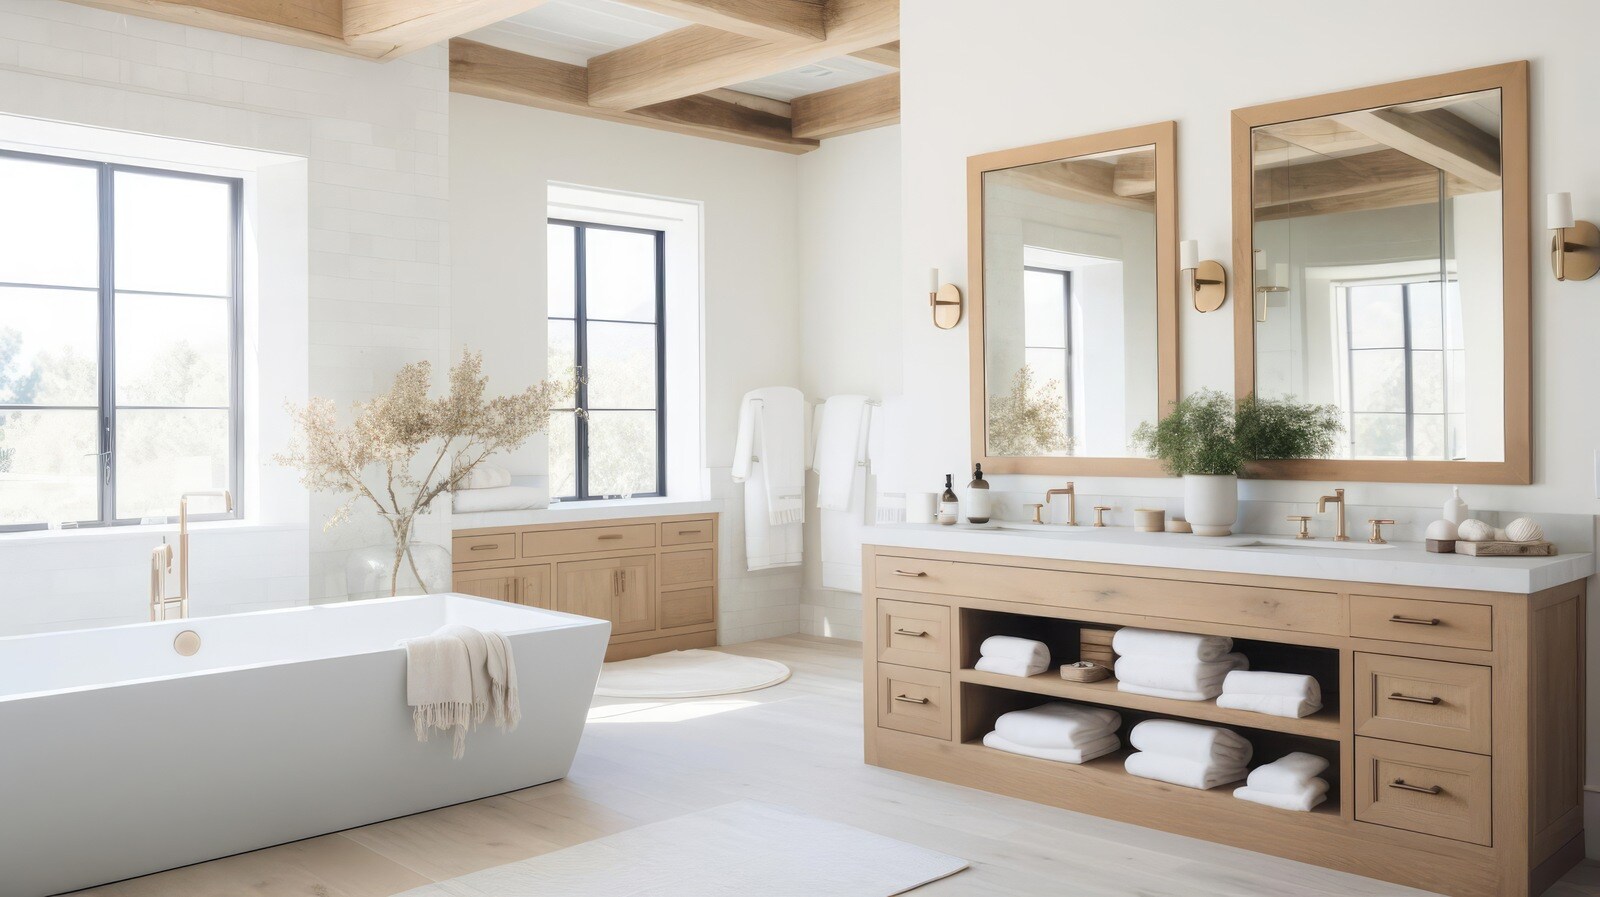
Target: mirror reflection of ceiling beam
(773, 20)
(1081, 181)
(887, 54)
(1439, 137)
(1135, 175)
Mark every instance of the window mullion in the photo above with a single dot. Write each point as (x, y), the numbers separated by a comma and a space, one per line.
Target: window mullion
(580, 355)
(108, 385)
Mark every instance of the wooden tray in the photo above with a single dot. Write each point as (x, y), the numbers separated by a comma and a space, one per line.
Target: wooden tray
(1505, 549)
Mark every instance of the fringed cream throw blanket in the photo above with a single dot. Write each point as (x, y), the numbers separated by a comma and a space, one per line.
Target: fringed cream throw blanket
(456, 678)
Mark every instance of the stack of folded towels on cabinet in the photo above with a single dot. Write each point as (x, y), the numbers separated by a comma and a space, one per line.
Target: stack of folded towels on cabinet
(1187, 754)
(1011, 656)
(1060, 731)
(1174, 664)
(1290, 783)
(1277, 694)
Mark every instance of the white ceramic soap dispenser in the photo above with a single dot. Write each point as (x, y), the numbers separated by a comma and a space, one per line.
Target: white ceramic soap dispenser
(1456, 510)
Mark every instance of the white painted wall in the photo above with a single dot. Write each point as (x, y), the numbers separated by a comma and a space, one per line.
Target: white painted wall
(502, 158)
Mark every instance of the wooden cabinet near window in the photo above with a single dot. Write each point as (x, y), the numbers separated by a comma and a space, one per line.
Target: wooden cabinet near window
(654, 579)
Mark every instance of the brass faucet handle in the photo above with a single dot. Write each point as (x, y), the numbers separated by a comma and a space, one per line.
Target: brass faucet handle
(1377, 530)
(1038, 512)
(1099, 514)
(1305, 525)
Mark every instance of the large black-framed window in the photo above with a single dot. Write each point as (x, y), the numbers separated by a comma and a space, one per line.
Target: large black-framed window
(120, 325)
(1047, 333)
(1405, 369)
(607, 311)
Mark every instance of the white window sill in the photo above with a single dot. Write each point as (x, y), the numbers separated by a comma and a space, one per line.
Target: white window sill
(152, 532)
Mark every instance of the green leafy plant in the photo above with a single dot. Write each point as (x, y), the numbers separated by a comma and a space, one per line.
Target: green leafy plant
(1206, 434)
(1270, 429)
(1029, 420)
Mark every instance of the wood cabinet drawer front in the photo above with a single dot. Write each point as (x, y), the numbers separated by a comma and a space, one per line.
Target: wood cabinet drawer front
(914, 635)
(595, 538)
(683, 567)
(687, 607)
(498, 547)
(686, 532)
(1441, 623)
(1424, 702)
(1423, 789)
(913, 700)
(1238, 605)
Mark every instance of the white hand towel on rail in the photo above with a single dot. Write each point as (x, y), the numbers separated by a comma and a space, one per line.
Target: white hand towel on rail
(455, 678)
(1176, 675)
(1171, 645)
(1059, 724)
(774, 506)
(886, 455)
(842, 432)
(1304, 799)
(1177, 771)
(1012, 666)
(1287, 774)
(1097, 748)
(1191, 741)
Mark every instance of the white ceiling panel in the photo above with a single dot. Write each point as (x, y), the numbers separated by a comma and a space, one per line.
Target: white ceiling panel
(835, 72)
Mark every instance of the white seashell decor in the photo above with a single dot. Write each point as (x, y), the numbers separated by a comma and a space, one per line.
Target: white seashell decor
(1524, 529)
(1442, 531)
(1475, 530)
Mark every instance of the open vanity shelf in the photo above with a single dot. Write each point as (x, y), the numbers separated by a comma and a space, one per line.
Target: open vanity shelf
(1502, 740)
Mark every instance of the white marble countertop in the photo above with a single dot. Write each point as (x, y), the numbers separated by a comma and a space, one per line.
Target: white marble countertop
(1398, 563)
(576, 511)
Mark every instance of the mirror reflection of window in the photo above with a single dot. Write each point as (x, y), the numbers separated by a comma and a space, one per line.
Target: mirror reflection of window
(1047, 339)
(1404, 384)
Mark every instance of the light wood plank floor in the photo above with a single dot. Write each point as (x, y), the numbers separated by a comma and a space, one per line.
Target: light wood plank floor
(799, 745)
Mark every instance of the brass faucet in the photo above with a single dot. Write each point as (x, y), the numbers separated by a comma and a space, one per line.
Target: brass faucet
(1071, 492)
(161, 561)
(1322, 508)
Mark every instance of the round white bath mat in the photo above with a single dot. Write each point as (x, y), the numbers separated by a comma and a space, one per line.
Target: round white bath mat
(688, 674)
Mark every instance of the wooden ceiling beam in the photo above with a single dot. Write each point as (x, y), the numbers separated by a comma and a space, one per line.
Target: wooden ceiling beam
(768, 20)
(699, 58)
(315, 24)
(1438, 137)
(845, 110)
(888, 54)
(398, 27)
(478, 69)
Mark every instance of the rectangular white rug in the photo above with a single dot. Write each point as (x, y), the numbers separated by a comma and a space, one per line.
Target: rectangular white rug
(742, 848)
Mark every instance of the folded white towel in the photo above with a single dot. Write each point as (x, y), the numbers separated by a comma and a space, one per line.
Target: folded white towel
(485, 476)
(1089, 751)
(1014, 648)
(1246, 681)
(498, 498)
(1287, 774)
(1012, 666)
(1177, 675)
(1191, 741)
(1059, 724)
(841, 450)
(1177, 771)
(455, 678)
(1303, 800)
(1172, 645)
(1204, 694)
(1271, 705)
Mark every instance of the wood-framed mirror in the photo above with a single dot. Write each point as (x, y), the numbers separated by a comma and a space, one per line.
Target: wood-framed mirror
(1072, 250)
(1381, 251)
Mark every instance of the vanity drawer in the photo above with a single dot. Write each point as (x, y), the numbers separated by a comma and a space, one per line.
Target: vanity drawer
(913, 700)
(1293, 610)
(1431, 702)
(1442, 623)
(683, 567)
(687, 607)
(686, 532)
(1423, 789)
(626, 537)
(915, 635)
(496, 547)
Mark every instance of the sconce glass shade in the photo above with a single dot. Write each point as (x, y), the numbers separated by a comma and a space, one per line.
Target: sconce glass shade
(1558, 211)
(1188, 255)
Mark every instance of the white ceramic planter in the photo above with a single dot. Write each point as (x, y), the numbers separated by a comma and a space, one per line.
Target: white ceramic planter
(1211, 503)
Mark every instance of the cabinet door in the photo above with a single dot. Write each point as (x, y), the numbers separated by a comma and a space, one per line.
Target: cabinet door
(636, 597)
(533, 586)
(621, 590)
(500, 585)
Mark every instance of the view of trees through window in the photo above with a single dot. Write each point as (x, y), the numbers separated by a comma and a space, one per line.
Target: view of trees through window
(118, 309)
(605, 291)
(1047, 338)
(1406, 370)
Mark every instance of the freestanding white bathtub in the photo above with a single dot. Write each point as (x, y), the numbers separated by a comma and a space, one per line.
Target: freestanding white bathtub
(120, 757)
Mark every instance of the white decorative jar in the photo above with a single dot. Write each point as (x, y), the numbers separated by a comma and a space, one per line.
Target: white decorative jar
(1211, 503)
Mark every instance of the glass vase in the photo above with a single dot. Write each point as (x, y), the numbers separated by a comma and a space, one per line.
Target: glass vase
(424, 568)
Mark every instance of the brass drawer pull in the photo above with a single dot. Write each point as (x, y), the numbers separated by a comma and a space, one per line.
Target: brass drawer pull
(688, 532)
(910, 700)
(909, 573)
(490, 547)
(1419, 621)
(1397, 696)
(1404, 786)
(605, 536)
(911, 632)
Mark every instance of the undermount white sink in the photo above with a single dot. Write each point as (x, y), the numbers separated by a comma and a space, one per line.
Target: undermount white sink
(1324, 544)
(1052, 528)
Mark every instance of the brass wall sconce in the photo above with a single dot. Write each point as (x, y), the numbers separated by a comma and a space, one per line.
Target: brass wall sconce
(945, 300)
(1266, 291)
(1207, 280)
(1575, 246)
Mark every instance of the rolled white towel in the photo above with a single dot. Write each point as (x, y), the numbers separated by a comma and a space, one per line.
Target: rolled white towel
(1192, 741)
(1089, 751)
(1012, 666)
(1204, 694)
(1174, 645)
(1177, 675)
(485, 476)
(1177, 771)
(1245, 681)
(1271, 705)
(1288, 774)
(1304, 800)
(1011, 648)
(1059, 724)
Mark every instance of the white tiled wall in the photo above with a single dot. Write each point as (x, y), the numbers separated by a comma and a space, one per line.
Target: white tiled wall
(763, 604)
(375, 137)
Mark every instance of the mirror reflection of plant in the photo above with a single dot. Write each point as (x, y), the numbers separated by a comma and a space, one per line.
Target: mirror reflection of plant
(1031, 419)
(1272, 429)
(1206, 434)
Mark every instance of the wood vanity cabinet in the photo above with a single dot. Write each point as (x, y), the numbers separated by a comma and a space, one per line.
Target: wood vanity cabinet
(654, 578)
(1453, 720)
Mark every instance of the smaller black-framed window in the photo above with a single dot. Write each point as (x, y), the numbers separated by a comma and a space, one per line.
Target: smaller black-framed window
(1047, 333)
(606, 292)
